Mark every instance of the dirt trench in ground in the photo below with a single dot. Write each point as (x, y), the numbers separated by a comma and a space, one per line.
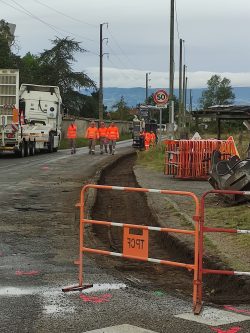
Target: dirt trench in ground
(124, 207)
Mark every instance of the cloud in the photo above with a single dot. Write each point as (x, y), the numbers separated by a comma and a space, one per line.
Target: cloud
(126, 78)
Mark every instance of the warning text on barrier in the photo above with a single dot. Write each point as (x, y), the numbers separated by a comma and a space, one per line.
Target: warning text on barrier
(135, 245)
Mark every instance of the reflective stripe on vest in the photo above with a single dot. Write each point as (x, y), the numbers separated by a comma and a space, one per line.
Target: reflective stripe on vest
(113, 133)
(92, 133)
(103, 132)
(71, 134)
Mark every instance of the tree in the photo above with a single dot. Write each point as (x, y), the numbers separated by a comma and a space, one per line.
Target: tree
(7, 58)
(55, 68)
(218, 92)
(122, 110)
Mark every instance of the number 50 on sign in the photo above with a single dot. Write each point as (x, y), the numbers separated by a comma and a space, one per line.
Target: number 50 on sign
(161, 97)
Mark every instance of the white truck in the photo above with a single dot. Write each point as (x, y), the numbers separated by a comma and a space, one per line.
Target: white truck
(30, 117)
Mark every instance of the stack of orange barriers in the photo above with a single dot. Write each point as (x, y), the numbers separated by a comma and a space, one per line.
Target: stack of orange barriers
(191, 159)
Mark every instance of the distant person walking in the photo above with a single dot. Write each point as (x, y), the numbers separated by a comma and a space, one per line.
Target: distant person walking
(103, 137)
(113, 136)
(71, 135)
(152, 139)
(147, 140)
(92, 135)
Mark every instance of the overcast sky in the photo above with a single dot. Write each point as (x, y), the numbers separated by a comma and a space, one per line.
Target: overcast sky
(216, 34)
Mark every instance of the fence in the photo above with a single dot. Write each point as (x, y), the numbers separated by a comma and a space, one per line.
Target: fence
(204, 229)
(191, 159)
(136, 246)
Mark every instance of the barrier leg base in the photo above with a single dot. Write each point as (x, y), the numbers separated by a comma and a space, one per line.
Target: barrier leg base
(76, 288)
(197, 308)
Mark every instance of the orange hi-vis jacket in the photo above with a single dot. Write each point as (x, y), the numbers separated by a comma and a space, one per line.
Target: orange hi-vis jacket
(147, 136)
(103, 132)
(92, 133)
(152, 137)
(113, 133)
(71, 133)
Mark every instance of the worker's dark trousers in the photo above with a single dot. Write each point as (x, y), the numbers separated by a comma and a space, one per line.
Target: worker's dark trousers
(103, 143)
(92, 145)
(112, 144)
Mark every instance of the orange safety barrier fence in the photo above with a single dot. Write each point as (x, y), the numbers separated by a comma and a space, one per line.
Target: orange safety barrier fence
(136, 246)
(204, 229)
(191, 159)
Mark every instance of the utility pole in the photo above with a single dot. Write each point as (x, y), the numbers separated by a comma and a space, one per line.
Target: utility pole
(185, 100)
(101, 74)
(190, 101)
(183, 89)
(171, 65)
(171, 68)
(180, 87)
(147, 79)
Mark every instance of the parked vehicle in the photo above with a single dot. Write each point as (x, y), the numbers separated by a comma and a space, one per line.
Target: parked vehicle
(30, 117)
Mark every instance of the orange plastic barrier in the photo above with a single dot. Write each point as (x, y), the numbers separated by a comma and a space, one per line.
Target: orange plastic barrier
(204, 229)
(135, 245)
(191, 159)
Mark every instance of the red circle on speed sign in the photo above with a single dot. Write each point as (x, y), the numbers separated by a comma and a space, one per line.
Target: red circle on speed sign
(161, 97)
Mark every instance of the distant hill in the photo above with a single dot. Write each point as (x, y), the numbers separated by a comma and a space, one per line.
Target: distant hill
(134, 96)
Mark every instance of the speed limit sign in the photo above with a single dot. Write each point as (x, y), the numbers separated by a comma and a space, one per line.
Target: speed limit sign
(161, 97)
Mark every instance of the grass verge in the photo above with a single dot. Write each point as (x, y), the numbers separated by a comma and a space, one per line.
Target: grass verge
(152, 158)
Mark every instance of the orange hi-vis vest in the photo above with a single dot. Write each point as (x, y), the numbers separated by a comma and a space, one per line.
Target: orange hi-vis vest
(103, 132)
(152, 137)
(147, 136)
(71, 134)
(92, 133)
(113, 133)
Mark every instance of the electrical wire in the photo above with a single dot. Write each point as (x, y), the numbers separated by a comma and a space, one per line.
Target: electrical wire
(66, 15)
(118, 45)
(51, 26)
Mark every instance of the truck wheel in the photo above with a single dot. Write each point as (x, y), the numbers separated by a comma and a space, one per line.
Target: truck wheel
(32, 148)
(21, 152)
(51, 143)
(26, 148)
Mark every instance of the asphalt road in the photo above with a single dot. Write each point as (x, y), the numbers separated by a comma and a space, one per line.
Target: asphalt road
(38, 246)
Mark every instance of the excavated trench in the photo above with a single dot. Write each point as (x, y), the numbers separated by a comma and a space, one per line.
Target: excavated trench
(123, 207)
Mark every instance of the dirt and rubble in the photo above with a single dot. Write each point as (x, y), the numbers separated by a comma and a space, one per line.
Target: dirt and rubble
(139, 208)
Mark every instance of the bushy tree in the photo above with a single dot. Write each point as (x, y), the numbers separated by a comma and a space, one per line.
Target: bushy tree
(122, 111)
(7, 58)
(218, 92)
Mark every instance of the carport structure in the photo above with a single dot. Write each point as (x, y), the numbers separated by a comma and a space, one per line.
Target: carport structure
(223, 112)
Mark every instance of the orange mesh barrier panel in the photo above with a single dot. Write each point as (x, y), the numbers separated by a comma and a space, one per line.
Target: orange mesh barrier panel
(191, 159)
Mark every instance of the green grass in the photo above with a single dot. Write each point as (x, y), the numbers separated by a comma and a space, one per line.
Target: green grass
(153, 158)
(82, 142)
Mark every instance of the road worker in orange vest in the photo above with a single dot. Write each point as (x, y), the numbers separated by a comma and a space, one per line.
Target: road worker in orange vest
(152, 139)
(147, 140)
(92, 135)
(113, 136)
(71, 135)
(103, 137)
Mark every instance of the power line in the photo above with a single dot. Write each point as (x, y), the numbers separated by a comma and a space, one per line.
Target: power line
(51, 26)
(66, 15)
(118, 45)
(25, 12)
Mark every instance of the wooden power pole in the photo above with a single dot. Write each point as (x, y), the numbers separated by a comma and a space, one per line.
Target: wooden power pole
(101, 74)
